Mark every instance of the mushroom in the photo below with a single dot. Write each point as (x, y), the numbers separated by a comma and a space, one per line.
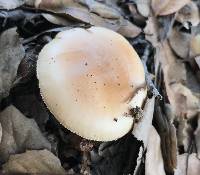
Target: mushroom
(90, 79)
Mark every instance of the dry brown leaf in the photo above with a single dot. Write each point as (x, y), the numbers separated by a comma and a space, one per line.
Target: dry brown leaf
(184, 100)
(75, 11)
(197, 59)
(141, 129)
(193, 167)
(166, 7)
(30, 2)
(54, 4)
(101, 9)
(195, 46)
(11, 4)
(19, 133)
(197, 136)
(189, 13)
(143, 7)
(58, 20)
(96, 7)
(35, 161)
(11, 53)
(129, 30)
(0, 133)
(180, 43)
(183, 133)
(138, 18)
(154, 160)
(150, 31)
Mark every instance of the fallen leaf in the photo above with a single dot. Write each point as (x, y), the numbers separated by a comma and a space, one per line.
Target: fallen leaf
(96, 7)
(142, 128)
(137, 17)
(183, 133)
(182, 88)
(143, 7)
(19, 133)
(197, 59)
(11, 4)
(154, 160)
(166, 7)
(84, 15)
(129, 30)
(0, 133)
(151, 31)
(189, 13)
(11, 53)
(191, 162)
(101, 9)
(163, 122)
(176, 37)
(34, 161)
(30, 106)
(55, 19)
(30, 2)
(195, 46)
(197, 136)
(94, 13)
(54, 4)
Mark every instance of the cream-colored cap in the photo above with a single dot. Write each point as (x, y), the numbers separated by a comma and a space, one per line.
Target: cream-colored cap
(89, 80)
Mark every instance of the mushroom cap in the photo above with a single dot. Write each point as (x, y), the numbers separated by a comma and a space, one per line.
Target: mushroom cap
(89, 79)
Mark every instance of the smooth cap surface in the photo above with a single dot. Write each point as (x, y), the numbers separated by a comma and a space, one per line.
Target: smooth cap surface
(89, 80)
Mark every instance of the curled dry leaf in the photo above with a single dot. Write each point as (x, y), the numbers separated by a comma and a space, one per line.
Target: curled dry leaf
(96, 7)
(197, 137)
(137, 17)
(19, 134)
(154, 161)
(30, 2)
(11, 4)
(11, 53)
(30, 106)
(129, 30)
(58, 20)
(87, 11)
(101, 9)
(54, 4)
(0, 132)
(163, 122)
(197, 59)
(35, 161)
(195, 46)
(189, 13)
(142, 128)
(176, 37)
(166, 7)
(183, 133)
(188, 162)
(183, 94)
(151, 31)
(143, 7)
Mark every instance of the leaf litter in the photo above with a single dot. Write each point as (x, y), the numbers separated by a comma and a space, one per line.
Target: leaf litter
(165, 33)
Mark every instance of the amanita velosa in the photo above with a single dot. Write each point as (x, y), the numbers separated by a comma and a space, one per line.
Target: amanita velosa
(90, 79)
